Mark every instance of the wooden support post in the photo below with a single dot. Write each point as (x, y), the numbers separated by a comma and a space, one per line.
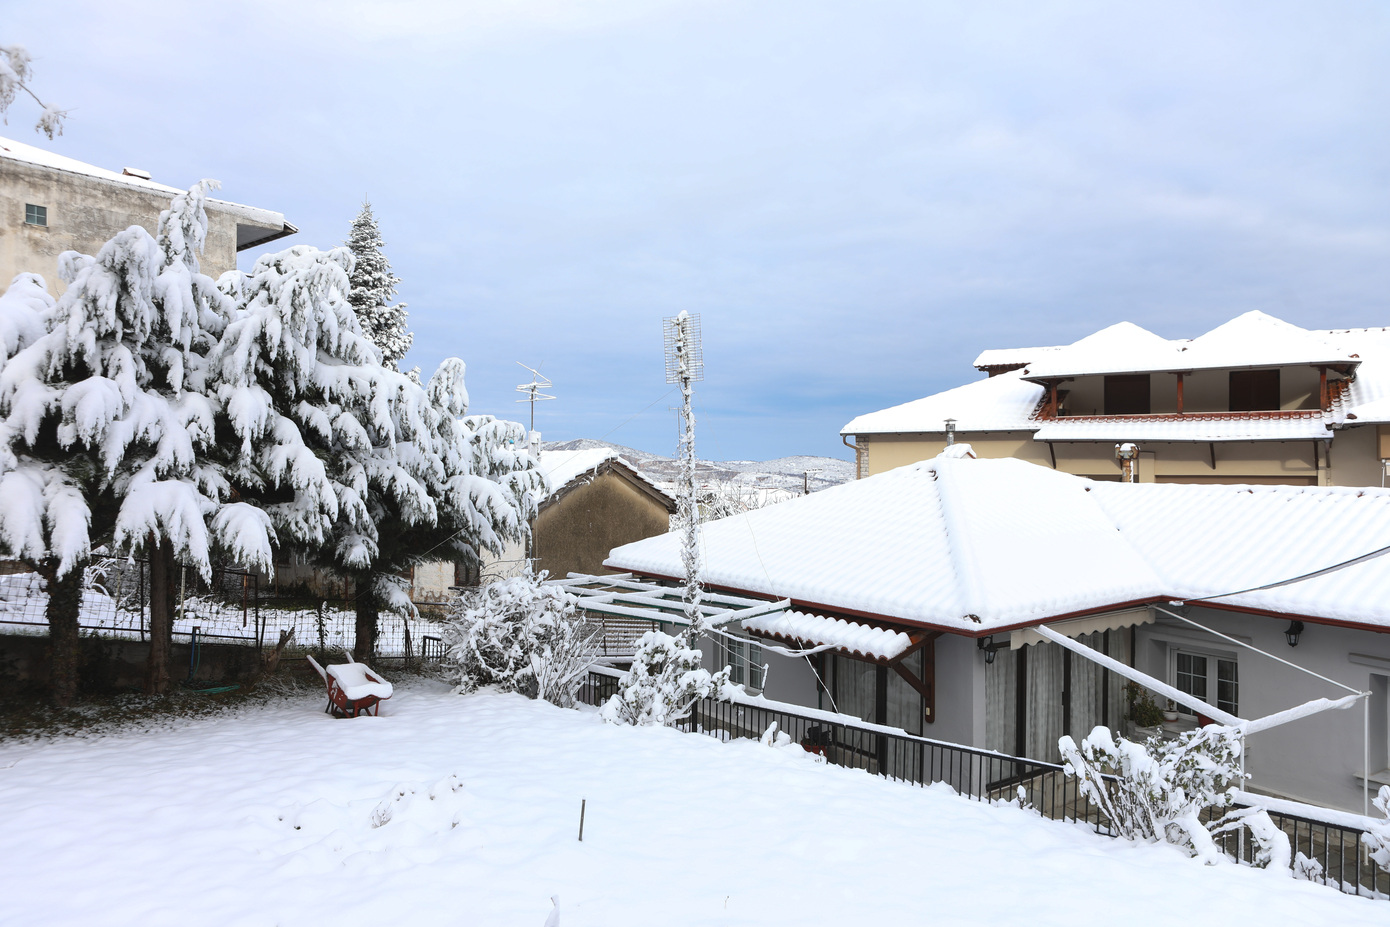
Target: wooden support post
(1180, 412)
(1322, 388)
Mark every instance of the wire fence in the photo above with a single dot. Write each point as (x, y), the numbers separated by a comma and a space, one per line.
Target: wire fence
(234, 607)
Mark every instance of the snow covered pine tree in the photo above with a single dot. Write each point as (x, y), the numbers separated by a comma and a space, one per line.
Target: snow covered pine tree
(399, 463)
(373, 288)
(105, 418)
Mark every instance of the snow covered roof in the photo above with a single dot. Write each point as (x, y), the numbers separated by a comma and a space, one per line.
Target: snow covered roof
(1250, 340)
(1002, 403)
(250, 231)
(1012, 401)
(973, 546)
(818, 631)
(957, 544)
(564, 467)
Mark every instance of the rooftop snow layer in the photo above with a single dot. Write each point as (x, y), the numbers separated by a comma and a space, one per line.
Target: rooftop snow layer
(1002, 403)
(973, 545)
(953, 543)
(18, 151)
(818, 630)
(1009, 402)
(564, 467)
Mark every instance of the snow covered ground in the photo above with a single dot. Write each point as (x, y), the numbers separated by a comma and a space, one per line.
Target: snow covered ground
(265, 815)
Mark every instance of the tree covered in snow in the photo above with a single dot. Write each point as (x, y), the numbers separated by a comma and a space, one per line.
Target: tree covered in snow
(107, 421)
(373, 288)
(16, 70)
(1157, 790)
(664, 682)
(382, 472)
(523, 636)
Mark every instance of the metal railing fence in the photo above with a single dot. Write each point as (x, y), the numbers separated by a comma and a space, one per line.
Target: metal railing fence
(1338, 851)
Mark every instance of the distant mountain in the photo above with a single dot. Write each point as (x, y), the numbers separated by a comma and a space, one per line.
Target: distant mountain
(787, 473)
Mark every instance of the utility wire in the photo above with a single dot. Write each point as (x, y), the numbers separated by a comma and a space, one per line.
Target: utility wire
(1380, 552)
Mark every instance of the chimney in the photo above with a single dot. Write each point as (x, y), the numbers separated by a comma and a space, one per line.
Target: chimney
(533, 446)
(950, 431)
(1128, 455)
(135, 172)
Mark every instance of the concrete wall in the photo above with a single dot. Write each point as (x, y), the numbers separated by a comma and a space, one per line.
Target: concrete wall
(960, 692)
(1316, 759)
(1355, 457)
(576, 531)
(83, 213)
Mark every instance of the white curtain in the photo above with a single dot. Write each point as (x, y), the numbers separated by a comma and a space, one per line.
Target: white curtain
(853, 687)
(1044, 701)
(1001, 702)
(905, 708)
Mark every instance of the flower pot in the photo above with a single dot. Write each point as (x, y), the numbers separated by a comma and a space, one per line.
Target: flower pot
(1170, 716)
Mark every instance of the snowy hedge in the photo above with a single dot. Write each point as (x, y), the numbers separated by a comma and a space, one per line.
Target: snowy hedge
(521, 635)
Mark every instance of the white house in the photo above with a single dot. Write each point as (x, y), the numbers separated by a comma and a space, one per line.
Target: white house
(925, 581)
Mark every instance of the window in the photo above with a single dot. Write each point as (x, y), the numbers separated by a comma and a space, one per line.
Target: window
(1254, 390)
(745, 662)
(35, 215)
(1202, 675)
(1127, 395)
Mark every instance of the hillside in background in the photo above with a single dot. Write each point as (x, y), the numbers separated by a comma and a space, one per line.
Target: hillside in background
(786, 473)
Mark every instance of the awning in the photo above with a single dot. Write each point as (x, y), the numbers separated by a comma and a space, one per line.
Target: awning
(1076, 627)
(819, 632)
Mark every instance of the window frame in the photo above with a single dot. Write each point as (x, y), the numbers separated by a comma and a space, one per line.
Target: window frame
(33, 212)
(1211, 676)
(744, 657)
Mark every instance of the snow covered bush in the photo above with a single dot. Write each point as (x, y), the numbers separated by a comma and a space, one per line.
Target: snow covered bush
(663, 684)
(1156, 790)
(521, 635)
(1378, 837)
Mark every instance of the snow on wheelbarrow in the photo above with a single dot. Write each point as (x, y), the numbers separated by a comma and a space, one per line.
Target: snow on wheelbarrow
(353, 688)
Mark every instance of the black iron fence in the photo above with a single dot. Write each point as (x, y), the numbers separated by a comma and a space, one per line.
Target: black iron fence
(1331, 853)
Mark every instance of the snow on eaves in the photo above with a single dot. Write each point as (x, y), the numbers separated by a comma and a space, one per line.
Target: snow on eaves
(1311, 426)
(818, 631)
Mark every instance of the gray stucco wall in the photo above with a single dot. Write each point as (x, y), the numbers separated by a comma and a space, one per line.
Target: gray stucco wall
(1316, 759)
(960, 692)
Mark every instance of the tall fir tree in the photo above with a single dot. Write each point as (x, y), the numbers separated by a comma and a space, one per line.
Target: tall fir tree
(373, 288)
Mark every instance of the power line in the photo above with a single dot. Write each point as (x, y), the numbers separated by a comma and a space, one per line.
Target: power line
(1298, 579)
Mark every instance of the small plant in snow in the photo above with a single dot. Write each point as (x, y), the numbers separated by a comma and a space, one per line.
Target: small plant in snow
(664, 683)
(523, 636)
(1156, 790)
(1378, 837)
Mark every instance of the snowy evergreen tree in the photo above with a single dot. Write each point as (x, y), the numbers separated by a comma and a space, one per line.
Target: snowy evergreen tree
(361, 467)
(373, 288)
(106, 419)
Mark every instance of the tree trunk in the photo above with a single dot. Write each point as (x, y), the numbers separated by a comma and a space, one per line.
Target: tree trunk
(64, 640)
(364, 645)
(163, 596)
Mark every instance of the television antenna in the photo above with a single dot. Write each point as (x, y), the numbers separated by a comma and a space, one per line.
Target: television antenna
(533, 391)
(806, 479)
(685, 364)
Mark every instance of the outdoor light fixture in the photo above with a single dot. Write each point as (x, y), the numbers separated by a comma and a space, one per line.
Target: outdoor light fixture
(988, 645)
(1291, 633)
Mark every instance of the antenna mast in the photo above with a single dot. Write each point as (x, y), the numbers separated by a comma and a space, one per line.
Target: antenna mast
(533, 392)
(685, 363)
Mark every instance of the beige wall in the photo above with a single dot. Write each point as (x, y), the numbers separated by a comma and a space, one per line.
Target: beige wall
(1354, 455)
(83, 213)
(574, 533)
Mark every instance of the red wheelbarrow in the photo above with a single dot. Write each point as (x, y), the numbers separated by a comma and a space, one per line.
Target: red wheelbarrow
(353, 688)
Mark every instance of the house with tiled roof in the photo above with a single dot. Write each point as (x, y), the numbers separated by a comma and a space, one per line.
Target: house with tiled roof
(922, 598)
(1256, 400)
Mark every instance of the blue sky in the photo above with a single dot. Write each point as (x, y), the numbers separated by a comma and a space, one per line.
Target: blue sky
(857, 197)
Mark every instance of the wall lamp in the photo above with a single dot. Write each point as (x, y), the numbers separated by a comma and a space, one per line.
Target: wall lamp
(1292, 632)
(988, 645)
